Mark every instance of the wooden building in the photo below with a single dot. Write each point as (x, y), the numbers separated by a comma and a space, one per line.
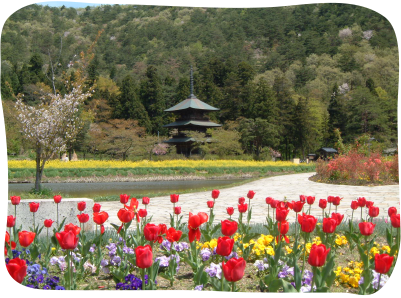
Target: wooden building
(190, 116)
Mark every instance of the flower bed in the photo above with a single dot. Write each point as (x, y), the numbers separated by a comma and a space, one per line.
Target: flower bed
(358, 169)
(140, 255)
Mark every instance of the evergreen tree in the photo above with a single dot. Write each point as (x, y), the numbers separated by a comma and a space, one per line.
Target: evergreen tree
(129, 106)
(151, 95)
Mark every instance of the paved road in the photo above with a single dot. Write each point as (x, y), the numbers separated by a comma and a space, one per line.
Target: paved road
(289, 186)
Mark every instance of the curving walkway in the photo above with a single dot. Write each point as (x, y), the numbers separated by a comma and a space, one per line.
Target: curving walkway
(289, 186)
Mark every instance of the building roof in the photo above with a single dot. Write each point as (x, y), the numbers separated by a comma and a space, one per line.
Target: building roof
(328, 150)
(192, 103)
(184, 140)
(203, 123)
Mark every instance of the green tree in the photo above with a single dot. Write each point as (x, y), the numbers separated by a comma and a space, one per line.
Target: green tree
(151, 95)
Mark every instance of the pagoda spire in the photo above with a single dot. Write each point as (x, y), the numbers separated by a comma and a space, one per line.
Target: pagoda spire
(192, 84)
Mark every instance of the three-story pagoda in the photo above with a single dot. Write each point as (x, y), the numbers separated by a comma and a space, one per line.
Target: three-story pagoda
(190, 117)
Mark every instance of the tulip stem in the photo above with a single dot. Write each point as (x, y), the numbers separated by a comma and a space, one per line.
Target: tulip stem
(222, 274)
(232, 286)
(303, 260)
(71, 281)
(378, 285)
(33, 213)
(143, 279)
(58, 226)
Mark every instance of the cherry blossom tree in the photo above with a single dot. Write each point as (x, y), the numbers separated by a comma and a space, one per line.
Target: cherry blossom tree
(55, 122)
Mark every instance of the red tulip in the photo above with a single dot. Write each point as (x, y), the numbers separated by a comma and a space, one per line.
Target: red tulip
(281, 214)
(330, 199)
(228, 228)
(145, 200)
(310, 200)
(307, 222)
(283, 227)
(250, 194)
(144, 256)
(323, 203)
(297, 206)
(234, 269)
(395, 220)
(100, 217)
(383, 263)
(7, 240)
(124, 198)
(302, 198)
(329, 225)
(391, 211)
(67, 239)
(338, 217)
(48, 223)
(274, 203)
(354, 205)
(125, 216)
(102, 229)
(57, 199)
(210, 204)
(172, 235)
(26, 238)
(241, 200)
(10, 221)
(318, 255)
(151, 232)
(289, 205)
(83, 217)
(81, 206)
(194, 222)
(73, 228)
(215, 193)
(361, 202)
(142, 212)
(374, 211)
(242, 208)
(230, 210)
(174, 198)
(366, 228)
(177, 210)
(17, 269)
(15, 200)
(268, 200)
(369, 204)
(96, 207)
(281, 204)
(336, 201)
(133, 205)
(33, 207)
(224, 246)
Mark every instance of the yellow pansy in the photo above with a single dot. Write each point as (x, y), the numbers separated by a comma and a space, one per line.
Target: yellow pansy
(288, 249)
(270, 251)
(386, 248)
(339, 241)
(353, 282)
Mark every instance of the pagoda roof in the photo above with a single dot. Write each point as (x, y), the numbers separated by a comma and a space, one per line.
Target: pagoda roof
(192, 103)
(183, 140)
(203, 123)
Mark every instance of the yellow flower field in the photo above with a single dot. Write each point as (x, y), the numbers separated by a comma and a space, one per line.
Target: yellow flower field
(57, 164)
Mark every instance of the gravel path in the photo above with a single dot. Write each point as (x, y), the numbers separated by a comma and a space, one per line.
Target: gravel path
(279, 187)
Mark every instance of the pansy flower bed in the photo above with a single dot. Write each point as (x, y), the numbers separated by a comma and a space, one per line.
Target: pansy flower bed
(329, 253)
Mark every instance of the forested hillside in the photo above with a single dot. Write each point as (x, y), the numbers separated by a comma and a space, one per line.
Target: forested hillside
(284, 78)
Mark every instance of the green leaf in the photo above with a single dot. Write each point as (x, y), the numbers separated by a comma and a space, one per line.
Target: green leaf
(275, 285)
(389, 237)
(322, 289)
(288, 287)
(249, 237)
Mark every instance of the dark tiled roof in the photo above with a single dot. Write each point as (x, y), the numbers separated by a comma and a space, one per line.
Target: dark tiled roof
(329, 150)
(192, 122)
(192, 103)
